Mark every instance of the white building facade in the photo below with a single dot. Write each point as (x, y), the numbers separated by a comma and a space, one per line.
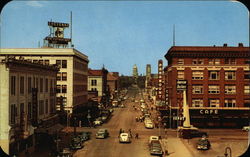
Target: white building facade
(71, 86)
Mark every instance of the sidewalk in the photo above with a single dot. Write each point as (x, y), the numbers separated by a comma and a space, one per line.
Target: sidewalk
(175, 147)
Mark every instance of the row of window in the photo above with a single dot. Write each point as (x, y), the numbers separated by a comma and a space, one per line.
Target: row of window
(61, 88)
(59, 63)
(216, 103)
(31, 82)
(44, 107)
(213, 75)
(61, 76)
(212, 61)
(215, 89)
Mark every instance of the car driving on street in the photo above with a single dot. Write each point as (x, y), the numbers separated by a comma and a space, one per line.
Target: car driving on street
(124, 138)
(155, 148)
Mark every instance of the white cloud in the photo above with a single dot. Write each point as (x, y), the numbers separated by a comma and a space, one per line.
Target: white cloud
(34, 4)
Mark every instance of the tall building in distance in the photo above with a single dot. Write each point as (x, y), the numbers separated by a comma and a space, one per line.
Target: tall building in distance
(135, 71)
(217, 84)
(148, 75)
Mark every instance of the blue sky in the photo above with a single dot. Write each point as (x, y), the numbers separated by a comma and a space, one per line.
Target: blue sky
(119, 34)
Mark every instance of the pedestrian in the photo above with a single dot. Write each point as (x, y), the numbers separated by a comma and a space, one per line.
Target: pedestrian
(130, 133)
(136, 135)
(120, 131)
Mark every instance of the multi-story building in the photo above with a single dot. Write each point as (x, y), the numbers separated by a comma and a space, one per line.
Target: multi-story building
(27, 98)
(218, 89)
(112, 82)
(71, 79)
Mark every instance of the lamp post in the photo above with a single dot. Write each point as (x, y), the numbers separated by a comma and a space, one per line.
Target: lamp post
(74, 126)
(88, 117)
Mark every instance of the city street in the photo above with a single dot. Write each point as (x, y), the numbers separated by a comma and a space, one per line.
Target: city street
(124, 118)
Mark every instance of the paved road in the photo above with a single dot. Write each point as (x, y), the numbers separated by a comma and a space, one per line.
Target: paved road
(122, 118)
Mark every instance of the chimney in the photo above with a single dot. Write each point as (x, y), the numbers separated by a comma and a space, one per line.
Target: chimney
(240, 44)
(225, 45)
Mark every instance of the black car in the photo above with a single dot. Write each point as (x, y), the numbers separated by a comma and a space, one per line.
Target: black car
(203, 144)
(76, 143)
(191, 133)
(84, 136)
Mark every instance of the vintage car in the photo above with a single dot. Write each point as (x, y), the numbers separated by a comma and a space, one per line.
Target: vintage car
(102, 133)
(203, 144)
(76, 143)
(155, 148)
(124, 138)
(84, 136)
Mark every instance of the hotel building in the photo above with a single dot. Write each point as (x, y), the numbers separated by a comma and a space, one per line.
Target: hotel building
(71, 86)
(27, 99)
(218, 89)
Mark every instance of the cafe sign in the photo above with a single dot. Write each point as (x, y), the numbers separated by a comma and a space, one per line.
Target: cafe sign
(208, 111)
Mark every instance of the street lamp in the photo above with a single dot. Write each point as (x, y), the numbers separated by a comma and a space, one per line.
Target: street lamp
(74, 126)
(88, 117)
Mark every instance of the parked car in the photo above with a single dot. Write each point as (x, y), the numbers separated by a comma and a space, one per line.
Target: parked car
(191, 133)
(203, 144)
(84, 136)
(66, 152)
(155, 148)
(153, 138)
(124, 138)
(102, 133)
(98, 121)
(122, 106)
(246, 128)
(76, 143)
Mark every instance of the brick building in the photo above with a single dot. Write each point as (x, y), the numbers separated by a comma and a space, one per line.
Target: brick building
(217, 85)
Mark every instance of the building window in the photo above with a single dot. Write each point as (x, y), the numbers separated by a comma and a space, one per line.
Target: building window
(214, 102)
(230, 103)
(40, 61)
(46, 106)
(213, 75)
(93, 89)
(41, 85)
(230, 61)
(247, 75)
(35, 61)
(58, 76)
(213, 89)
(64, 63)
(29, 85)
(213, 61)
(29, 111)
(52, 105)
(64, 88)
(247, 89)
(197, 103)
(230, 75)
(197, 61)
(64, 76)
(246, 102)
(41, 107)
(37, 82)
(13, 85)
(21, 85)
(180, 62)
(58, 63)
(58, 88)
(230, 89)
(197, 89)
(13, 113)
(247, 61)
(93, 82)
(46, 85)
(46, 62)
(180, 74)
(197, 75)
